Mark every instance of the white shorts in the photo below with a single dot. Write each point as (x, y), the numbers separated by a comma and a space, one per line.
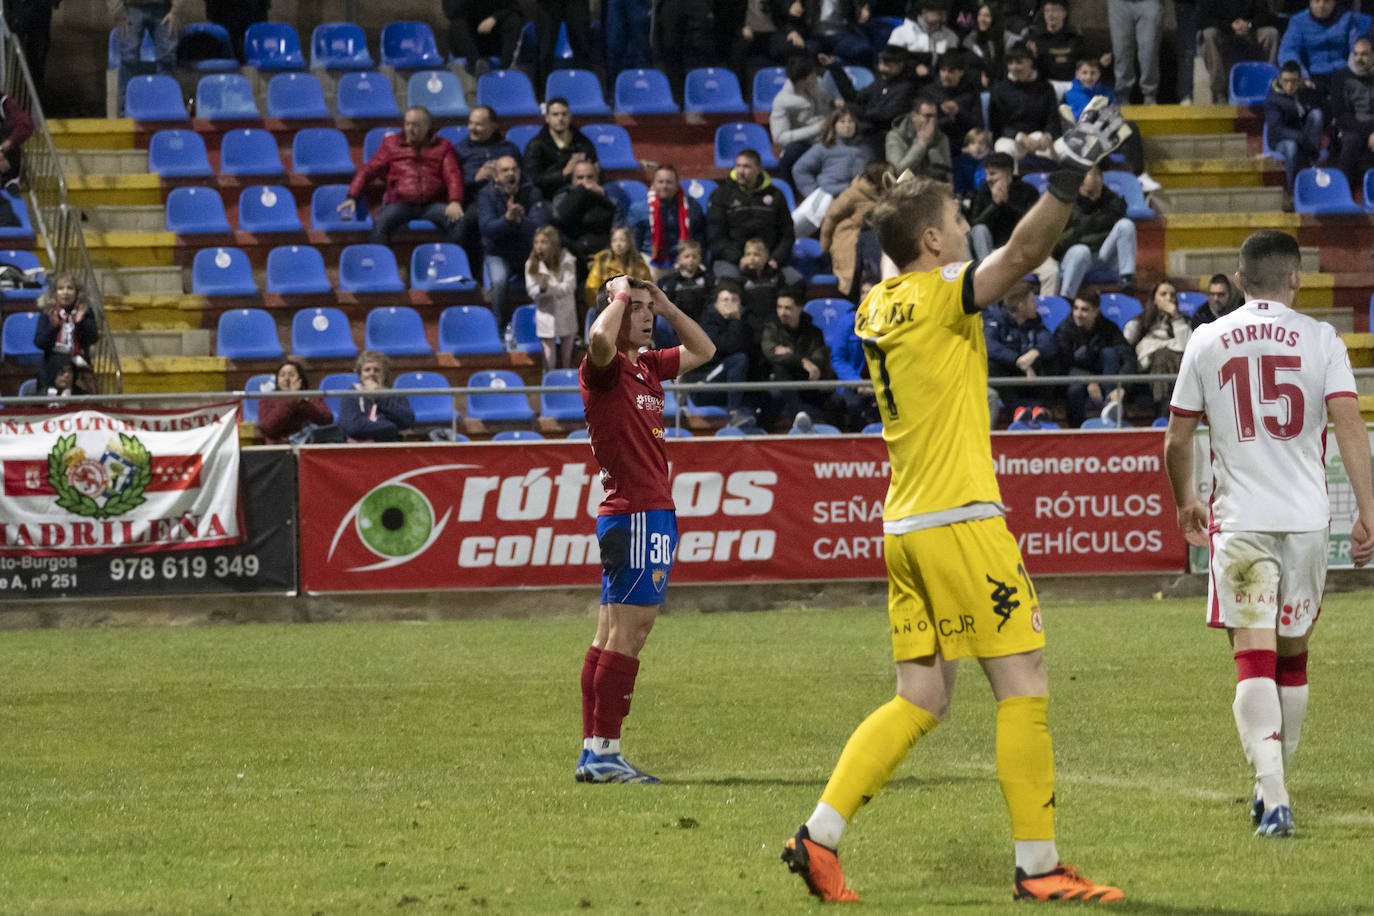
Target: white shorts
(1263, 580)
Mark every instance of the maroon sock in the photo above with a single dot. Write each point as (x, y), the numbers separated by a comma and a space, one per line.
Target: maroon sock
(588, 690)
(614, 685)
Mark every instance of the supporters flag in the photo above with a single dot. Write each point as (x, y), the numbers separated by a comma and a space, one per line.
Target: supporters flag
(95, 481)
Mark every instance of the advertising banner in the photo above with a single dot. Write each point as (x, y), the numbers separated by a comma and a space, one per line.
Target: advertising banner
(1343, 509)
(500, 515)
(264, 562)
(96, 481)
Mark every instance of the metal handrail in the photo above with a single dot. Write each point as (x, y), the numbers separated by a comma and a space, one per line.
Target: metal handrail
(56, 223)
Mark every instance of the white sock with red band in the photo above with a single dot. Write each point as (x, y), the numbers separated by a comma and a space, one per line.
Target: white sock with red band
(1259, 721)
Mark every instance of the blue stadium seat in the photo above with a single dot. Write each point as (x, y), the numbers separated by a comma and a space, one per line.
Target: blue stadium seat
(296, 97)
(147, 53)
(428, 408)
(28, 262)
(1096, 423)
(613, 147)
(264, 381)
(1160, 421)
(195, 211)
(520, 134)
(1317, 190)
(325, 216)
(1188, 303)
(438, 91)
(497, 406)
(1053, 310)
(768, 82)
(322, 332)
(225, 97)
(834, 317)
(700, 189)
(366, 94)
(1250, 81)
(507, 91)
(1038, 180)
(861, 77)
(337, 381)
(410, 46)
(677, 432)
(516, 435)
(273, 46)
(21, 213)
(1120, 308)
(222, 272)
(247, 334)
(872, 429)
(321, 151)
(713, 90)
(731, 138)
(807, 257)
(785, 189)
(585, 433)
(28, 387)
(522, 329)
(16, 339)
(643, 92)
(440, 266)
(726, 431)
(296, 270)
(369, 268)
(195, 55)
(454, 133)
(396, 330)
(1127, 186)
(469, 330)
(1371, 311)
(582, 90)
(154, 98)
(249, 151)
(561, 405)
(372, 140)
(1368, 189)
(630, 195)
(268, 208)
(339, 46)
(817, 429)
(178, 154)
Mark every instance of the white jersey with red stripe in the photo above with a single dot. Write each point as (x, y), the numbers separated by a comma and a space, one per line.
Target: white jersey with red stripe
(1263, 374)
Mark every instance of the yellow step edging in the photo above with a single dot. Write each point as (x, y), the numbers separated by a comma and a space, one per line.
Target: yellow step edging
(92, 133)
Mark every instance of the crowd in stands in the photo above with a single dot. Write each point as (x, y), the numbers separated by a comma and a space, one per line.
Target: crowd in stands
(963, 92)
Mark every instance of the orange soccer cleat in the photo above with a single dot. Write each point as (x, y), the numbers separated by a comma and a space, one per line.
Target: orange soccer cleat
(1063, 882)
(818, 866)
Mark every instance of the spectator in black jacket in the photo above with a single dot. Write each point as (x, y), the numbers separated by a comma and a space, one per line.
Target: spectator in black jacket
(551, 154)
(1019, 345)
(1023, 111)
(1098, 235)
(1221, 299)
(583, 214)
(369, 418)
(1233, 31)
(478, 29)
(688, 286)
(794, 350)
(1089, 343)
(876, 105)
(1293, 115)
(724, 323)
(1353, 102)
(958, 98)
(745, 206)
(996, 207)
(1057, 46)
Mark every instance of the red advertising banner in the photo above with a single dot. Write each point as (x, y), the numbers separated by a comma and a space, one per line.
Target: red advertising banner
(498, 515)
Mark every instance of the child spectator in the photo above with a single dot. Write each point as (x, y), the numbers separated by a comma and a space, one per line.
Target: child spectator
(828, 167)
(620, 258)
(1087, 82)
(974, 156)
(279, 418)
(66, 329)
(688, 285)
(551, 281)
(761, 283)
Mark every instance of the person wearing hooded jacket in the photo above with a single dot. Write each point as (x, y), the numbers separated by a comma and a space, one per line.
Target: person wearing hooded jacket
(916, 142)
(826, 170)
(1353, 100)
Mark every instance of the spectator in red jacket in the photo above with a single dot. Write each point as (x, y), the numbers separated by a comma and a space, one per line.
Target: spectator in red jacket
(422, 178)
(279, 418)
(15, 127)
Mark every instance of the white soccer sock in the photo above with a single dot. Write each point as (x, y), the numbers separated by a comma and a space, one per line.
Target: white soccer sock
(603, 747)
(825, 825)
(1293, 703)
(1035, 857)
(587, 743)
(1259, 721)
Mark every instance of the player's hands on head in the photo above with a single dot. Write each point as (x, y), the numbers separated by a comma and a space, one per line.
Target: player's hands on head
(1192, 521)
(618, 285)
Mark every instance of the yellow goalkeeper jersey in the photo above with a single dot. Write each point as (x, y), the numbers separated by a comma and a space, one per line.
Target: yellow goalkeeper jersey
(923, 339)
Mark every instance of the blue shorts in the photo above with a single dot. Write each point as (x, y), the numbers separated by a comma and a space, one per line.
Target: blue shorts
(636, 555)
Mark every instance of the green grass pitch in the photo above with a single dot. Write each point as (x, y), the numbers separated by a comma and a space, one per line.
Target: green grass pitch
(420, 768)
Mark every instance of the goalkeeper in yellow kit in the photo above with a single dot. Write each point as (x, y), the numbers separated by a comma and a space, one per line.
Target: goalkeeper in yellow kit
(956, 583)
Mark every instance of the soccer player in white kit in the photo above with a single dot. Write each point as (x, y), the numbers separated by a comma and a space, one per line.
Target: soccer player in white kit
(1268, 378)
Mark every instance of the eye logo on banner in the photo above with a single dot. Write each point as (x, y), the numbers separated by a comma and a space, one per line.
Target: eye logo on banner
(395, 520)
(119, 476)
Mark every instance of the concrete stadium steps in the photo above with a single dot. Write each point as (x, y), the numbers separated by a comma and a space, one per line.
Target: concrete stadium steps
(1250, 172)
(106, 220)
(1171, 120)
(80, 163)
(1198, 146)
(1219, 253)
(145, 342)
(1175, 201)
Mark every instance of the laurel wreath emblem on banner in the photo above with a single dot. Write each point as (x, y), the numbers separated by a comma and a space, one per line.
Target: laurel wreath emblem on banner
(78, 480)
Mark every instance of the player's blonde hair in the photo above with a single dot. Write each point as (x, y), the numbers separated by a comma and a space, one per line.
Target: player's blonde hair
(905, 211)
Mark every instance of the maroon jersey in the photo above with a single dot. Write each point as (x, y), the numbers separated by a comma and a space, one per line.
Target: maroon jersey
(624, 407)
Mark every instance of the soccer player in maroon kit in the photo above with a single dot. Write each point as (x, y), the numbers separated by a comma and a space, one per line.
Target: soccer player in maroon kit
(636, 527)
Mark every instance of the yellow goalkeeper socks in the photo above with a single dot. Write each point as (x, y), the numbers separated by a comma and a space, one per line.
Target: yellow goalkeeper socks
(873, 752)
(1025, 766)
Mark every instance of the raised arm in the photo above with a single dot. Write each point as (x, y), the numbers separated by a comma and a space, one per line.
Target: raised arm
(696, 347)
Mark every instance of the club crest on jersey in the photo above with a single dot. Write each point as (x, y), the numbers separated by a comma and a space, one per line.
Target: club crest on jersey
(950, 272)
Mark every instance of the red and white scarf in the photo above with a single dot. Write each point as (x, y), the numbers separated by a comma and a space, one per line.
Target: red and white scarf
(659, 254)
